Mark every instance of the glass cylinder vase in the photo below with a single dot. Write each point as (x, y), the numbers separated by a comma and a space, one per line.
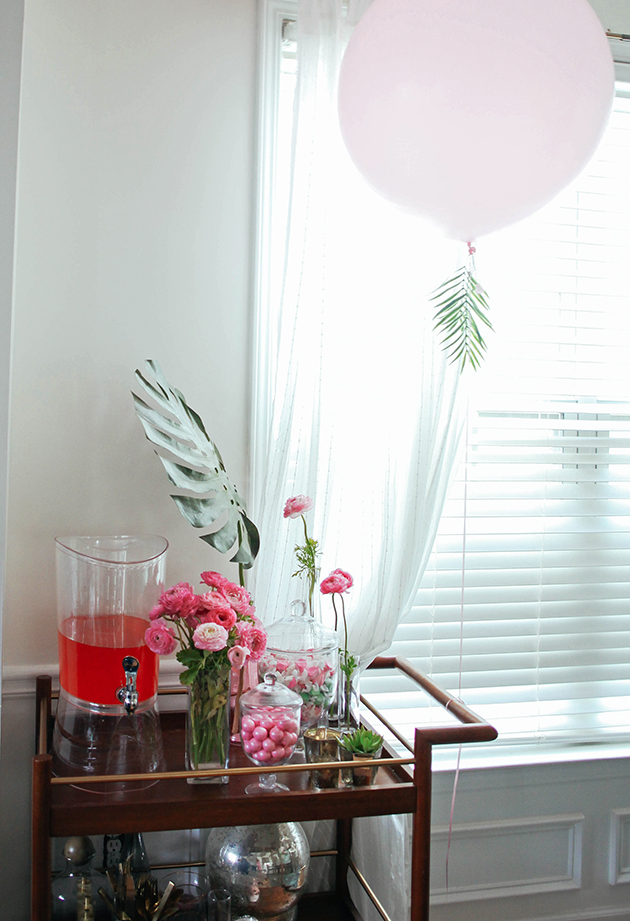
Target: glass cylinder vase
(348, 694)
(208, 723)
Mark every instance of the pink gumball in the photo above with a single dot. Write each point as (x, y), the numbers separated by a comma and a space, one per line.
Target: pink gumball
(260, 733)
(474, 115)
(254, 745)
(247, 724)
(268, 745)
(289, 739)
(267, 723)
(276, 734)
(262, 755)
(289, 725)
(278, 753)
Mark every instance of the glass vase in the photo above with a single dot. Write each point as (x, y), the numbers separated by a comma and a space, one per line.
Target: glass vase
(208, 723)
(264, 867)
(348, 704)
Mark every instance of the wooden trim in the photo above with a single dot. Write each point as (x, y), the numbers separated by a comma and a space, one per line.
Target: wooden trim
(41, 860)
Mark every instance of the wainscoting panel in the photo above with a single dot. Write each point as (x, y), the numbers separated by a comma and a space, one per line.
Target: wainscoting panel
(506, 858)
(619, 846)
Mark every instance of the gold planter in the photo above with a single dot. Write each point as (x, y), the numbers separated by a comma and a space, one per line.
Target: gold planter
(322, 745)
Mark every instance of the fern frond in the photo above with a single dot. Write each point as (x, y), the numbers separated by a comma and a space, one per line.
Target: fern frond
(461, 311)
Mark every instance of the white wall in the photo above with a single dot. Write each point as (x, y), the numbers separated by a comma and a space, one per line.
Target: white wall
(11, 17)
(614, 15)
(134, 216)
(134, 207)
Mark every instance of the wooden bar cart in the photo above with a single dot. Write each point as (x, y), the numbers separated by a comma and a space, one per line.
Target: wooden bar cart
(403, 785)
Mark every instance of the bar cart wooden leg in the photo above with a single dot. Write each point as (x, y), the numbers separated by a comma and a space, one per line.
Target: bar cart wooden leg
(344, 844)
(421, 847)
(41, 865)
(42, 713)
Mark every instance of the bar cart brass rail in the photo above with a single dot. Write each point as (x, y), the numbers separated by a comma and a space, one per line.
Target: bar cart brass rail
(403, 785)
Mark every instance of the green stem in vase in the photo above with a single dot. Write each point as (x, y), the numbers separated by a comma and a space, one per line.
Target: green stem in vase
(348, 663)
(307, 563)
(209, 699)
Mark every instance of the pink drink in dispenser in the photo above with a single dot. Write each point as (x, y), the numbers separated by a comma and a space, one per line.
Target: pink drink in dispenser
(107, 720)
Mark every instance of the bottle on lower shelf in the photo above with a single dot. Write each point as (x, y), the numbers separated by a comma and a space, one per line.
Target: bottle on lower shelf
(75, 894)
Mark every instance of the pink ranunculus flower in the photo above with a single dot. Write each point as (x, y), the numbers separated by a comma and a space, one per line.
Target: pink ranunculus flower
(179, 600)
(160, 638)
(338, 581)
(210, 636)
(239, 598)
(238, 656)
(156, 612)
(215, 608)
(296, 506)
(254, 638)
(215, 580)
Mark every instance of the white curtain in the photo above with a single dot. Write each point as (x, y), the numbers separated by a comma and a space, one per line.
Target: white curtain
(365, 415)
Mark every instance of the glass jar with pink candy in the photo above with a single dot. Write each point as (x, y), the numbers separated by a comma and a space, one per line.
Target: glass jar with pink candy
(303, 655)
(270, 727)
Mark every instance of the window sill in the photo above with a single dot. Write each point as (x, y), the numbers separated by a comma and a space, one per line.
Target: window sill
(498, 755)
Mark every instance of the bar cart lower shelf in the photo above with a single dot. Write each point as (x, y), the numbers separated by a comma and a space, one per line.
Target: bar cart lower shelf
(402, 785)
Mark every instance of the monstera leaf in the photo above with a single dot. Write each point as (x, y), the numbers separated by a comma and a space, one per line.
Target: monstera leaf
(462, 309)
(193, 463)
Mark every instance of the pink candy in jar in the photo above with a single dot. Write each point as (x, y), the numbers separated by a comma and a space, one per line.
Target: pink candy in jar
(270, 722)
(269, 734)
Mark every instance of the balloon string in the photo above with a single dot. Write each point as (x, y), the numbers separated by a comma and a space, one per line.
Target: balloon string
(452, 812)
(461, 618)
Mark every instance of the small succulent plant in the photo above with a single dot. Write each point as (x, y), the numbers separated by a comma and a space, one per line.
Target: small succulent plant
(362, 742)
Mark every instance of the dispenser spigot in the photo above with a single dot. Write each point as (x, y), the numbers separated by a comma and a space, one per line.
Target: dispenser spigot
(128, 695)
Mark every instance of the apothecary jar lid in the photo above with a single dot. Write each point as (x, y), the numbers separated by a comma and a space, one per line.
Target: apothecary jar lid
(270, 693)
(299, 632)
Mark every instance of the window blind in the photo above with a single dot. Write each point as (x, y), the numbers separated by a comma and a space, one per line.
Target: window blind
(524, 608)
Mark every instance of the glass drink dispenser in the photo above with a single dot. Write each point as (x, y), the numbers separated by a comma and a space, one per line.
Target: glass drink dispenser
(107, 720)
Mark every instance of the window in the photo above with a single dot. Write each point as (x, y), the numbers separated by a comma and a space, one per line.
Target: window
(524, 607)
(528, 586)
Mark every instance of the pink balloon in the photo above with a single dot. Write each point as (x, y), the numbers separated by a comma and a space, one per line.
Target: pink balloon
(474, 113)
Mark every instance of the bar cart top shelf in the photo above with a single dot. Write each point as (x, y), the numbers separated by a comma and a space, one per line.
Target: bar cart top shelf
(173, 803)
